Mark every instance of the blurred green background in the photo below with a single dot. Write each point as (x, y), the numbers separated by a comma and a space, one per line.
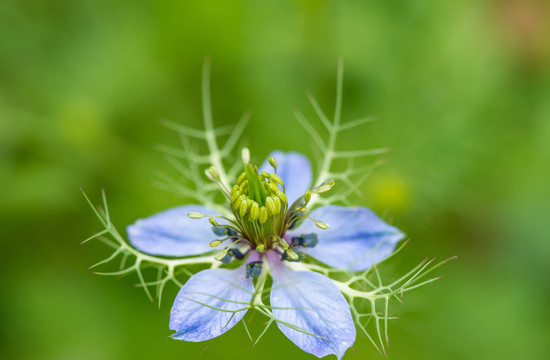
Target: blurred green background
(462, 92)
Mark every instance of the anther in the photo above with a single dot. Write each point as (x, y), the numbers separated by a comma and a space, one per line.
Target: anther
(238, 201)
(274, 188)
(273, 163)
(212, 173)
(270, 205)
(195, 215)
(291, 255)
(235, 195)
(277, 179)
(245, 155)
(282, 196)
(241, 178)
(320, 224)
(324, 187)
(215, 243)
(243, 208)
(263, 215)
(254, 211)
(307, 197)
(277, 202)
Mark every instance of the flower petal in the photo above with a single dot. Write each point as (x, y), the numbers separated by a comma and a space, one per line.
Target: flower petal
(311, 302)
(295, 171)
(210, 303)
(173, 233)
(355, 240)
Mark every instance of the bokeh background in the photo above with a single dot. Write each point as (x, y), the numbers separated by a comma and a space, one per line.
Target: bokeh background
(461, 89)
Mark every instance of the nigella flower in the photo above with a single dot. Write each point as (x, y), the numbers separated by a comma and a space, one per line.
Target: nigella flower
(279, 240)
(269, 232)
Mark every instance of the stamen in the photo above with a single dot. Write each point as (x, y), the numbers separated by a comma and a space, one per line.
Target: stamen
(254, 211)
(245, 155)
(277, 179)
(195, 215)
(215, 243)
(307, 197)
(273, 163)
(263, 215)
(318, 223)
(291, 255)
(270, 205)
(324, 187)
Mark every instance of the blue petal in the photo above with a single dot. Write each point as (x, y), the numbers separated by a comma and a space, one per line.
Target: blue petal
(355, 240)
(311, 302)
(295, 171)
(173, 233)
(210, 303)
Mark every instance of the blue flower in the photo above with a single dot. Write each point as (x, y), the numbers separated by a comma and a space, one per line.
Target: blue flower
(270, 226)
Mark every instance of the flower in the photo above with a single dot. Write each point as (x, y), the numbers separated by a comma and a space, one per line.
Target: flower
(271, 229)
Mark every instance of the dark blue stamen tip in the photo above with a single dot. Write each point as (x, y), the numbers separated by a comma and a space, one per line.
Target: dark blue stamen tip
(220, 231)
(305, 240)
(236, 253)
(254, 269)
(231, 232)
(300, 254)
(227, 258)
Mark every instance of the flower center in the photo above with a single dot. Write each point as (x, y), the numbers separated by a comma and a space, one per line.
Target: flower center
(260, 207)
(262, 214)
